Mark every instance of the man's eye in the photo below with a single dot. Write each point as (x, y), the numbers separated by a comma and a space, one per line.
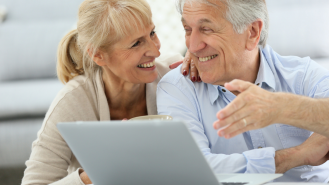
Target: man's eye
(207, 29)
(186, 28)
(188, 31)
(136, 44)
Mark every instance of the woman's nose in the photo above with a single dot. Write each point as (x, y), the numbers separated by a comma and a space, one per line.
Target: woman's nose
(154, 50)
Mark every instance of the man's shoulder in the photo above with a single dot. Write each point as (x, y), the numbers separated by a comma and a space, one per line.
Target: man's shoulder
(300, 74)
(292, 66)
(163, 62)
(175, 77)
(284, 62)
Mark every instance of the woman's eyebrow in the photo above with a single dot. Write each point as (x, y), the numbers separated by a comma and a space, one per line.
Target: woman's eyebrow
(141, 36)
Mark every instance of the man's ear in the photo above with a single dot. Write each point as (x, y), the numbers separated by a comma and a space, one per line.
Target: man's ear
(98, 57)
(254, 31)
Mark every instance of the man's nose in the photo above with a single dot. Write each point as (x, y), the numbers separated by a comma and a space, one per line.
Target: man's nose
(195, 42)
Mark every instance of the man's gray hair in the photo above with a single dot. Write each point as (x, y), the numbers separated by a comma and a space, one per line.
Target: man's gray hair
(240, 13)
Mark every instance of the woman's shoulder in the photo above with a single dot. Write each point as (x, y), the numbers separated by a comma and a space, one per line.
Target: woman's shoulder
(75, 86)
(164, 61)
(77, 95)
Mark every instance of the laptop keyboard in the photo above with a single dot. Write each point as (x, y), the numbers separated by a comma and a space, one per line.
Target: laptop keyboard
(233, 183)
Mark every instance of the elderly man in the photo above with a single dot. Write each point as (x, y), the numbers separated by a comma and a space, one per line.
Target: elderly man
(227, 38)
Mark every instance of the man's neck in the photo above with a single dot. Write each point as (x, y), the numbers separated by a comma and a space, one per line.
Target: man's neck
(248, 71)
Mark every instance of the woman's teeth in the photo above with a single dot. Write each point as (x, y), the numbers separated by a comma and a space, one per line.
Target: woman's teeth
(147, 65)
(204, 59)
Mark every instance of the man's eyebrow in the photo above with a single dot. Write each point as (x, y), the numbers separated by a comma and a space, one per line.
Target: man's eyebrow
(204, 21)
(200, 21)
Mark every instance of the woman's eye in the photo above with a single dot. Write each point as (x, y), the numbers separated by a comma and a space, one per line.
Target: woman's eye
(136, 44)
(152, 33)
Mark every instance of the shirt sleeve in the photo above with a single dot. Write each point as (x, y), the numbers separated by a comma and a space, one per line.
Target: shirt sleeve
(316, 84)
(179, 101)
(316, 81)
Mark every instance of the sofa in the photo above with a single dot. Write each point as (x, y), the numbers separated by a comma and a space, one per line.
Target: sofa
(31, 31)
(29, 35)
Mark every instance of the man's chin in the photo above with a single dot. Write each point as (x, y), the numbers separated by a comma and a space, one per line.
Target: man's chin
(207, 79)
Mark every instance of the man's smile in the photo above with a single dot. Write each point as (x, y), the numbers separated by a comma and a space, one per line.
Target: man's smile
(204, 59)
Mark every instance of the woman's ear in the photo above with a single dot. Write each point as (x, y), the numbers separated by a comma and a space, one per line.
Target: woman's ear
(98, 57)
(254, 32)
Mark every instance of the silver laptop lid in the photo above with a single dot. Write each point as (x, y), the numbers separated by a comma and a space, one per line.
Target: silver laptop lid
(138, 152)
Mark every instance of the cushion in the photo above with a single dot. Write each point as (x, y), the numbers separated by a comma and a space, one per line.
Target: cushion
(299, 27)
(3, 13)
(27, 98)
(41, 10)
(16, 137)
(28, 49)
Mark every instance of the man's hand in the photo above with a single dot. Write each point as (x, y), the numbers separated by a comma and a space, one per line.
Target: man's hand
(314, 152)
(253, 108)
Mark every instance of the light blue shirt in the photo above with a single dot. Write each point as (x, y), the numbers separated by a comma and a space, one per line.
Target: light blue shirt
(253, 151)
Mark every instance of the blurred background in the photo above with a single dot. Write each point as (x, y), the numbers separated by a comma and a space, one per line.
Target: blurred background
(30, 31)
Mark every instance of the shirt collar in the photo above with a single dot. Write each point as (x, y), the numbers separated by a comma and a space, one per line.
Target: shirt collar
(265, 75)
(213, 93)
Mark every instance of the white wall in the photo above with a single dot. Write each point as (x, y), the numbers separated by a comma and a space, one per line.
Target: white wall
(168, 26)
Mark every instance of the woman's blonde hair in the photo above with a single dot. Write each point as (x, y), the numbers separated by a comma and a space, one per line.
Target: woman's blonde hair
(101, 23)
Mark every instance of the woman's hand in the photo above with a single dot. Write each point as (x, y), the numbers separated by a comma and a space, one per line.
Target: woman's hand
(188, 63)
(84, 178)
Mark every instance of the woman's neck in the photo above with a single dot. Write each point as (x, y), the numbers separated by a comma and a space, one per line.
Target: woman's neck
(125, 99)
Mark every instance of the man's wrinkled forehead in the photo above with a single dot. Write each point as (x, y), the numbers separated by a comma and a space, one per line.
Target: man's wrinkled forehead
(210, 12)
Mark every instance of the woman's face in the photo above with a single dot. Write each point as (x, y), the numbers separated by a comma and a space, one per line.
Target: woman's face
(132, 58)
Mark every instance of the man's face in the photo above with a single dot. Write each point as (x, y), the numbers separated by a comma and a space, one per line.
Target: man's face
(211, 38)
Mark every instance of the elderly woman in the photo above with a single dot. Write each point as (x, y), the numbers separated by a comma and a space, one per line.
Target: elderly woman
(111, 73)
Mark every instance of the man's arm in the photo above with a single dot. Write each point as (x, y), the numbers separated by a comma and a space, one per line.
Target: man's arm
(256, 108)
(307, 113)
(180, 104)
(314, 152)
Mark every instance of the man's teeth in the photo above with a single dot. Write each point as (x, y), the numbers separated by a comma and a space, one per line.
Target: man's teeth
(204, 59)
(147, 65)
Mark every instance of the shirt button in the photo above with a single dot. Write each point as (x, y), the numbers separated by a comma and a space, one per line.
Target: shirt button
(223, 90)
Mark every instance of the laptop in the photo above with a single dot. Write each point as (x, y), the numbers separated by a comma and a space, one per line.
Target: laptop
(145, 153)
